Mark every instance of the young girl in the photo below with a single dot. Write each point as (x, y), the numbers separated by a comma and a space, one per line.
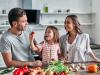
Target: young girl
(50, 46)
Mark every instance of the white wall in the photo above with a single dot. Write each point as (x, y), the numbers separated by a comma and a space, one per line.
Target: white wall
(96, 28)
(76, 6)
(8, 4)
(54, 5)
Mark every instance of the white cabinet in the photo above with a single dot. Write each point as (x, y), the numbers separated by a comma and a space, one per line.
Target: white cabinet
(4, 24)
(6, 5)
(58, 18)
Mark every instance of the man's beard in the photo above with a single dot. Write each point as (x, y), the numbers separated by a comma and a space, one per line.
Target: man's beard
(21, 29)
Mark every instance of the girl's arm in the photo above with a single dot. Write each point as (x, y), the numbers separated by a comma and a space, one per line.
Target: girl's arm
(60, 55)
(33, 46)
(36, 47)
(33, 43)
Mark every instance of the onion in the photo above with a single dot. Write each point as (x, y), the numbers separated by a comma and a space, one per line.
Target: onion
(32, 73)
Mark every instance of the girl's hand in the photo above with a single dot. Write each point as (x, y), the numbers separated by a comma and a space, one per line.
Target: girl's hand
(32, 36)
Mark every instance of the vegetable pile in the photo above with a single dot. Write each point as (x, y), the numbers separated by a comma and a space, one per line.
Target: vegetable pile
(58, 68)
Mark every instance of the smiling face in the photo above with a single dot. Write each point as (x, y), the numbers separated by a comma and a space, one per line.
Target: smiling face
(17, 19)
(69, 26)
(49, 34)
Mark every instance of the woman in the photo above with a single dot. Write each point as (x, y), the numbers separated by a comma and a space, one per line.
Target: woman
(75, 44)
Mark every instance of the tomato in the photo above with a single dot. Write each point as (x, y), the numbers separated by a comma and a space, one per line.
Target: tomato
(26, 69)
(32, 33)
(19, 71)
(63, 73)
(55, 73)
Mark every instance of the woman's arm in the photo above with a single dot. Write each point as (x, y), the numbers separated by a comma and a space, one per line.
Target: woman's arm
(89, 51)
(92, 55)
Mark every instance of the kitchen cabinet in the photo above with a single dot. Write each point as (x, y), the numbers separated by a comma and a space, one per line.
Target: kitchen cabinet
(4, 24)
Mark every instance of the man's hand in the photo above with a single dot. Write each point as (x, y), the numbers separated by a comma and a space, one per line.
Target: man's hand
(37, 63)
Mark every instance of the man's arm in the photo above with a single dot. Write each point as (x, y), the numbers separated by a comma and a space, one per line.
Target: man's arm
(9, 62)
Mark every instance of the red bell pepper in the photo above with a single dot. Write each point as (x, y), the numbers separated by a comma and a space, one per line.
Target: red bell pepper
(21, 70)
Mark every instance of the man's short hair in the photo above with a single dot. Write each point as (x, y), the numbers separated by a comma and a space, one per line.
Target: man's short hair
(14, 14)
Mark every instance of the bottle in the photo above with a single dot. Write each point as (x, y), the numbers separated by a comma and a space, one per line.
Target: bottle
(45, 8)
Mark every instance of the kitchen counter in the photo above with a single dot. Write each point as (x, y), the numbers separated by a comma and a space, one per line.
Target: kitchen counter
(94, 46)
(73, 73)
(85, 73)
(80, 72)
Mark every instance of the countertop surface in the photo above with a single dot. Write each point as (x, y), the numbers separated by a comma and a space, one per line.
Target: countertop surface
(80, 72)
(73, 73)
(94, 46)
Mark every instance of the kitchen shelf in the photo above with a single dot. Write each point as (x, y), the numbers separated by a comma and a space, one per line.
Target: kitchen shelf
(61, 13)
(63, 24)
(3, 15)
(4, 25)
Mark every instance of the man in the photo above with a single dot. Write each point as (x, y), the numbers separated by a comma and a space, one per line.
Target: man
(14, 43)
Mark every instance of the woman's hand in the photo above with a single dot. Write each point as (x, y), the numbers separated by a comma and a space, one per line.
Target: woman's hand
(97, 60)
(94, 57)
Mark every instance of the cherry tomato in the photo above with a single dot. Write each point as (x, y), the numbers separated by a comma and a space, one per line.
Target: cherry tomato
(63, 73)
(32, 33)
(55, 73)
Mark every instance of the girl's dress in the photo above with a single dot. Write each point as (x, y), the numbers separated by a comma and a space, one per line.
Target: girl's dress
(50, 52)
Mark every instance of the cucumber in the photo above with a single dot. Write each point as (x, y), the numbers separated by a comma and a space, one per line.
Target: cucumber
(7, 70)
